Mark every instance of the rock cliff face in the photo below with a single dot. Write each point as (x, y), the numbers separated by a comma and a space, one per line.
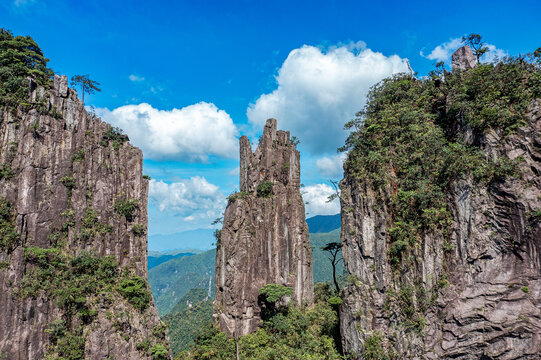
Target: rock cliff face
(264, 238)
(480, 286)
(74, 191)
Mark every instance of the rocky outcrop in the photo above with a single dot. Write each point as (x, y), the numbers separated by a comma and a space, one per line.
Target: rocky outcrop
(264, 238)
(74, 185)
(477, 290)
(463, 59)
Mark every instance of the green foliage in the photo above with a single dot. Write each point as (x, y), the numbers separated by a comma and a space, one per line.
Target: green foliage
(6, 172)
(126, 208)
(114, 135)
(494, 95)
(20, 57)
(159, 352)
(90, 226)
(274, 292)
(69, 183)
(293, 333)
(79, 155)
(66, 344)
(525, 289)
(264, 189)
(73, 282)
(238, 195)
(8, 230)
(138, 229)
(135, 290)
(146, 177)
(143, 346)
(373, 348)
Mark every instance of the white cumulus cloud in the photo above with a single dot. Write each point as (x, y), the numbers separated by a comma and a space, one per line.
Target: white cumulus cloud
(192, 133)
(331, 166)
(191, 198)
(315, 198)
(443, 52)
(319, 91)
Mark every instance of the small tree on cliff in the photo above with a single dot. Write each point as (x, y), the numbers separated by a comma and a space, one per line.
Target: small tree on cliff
(334, 249)
(86, 84)
(474, 41)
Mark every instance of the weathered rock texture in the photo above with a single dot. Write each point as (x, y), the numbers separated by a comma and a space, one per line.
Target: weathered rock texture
(463, 59)
(41, 150)
(264, 239)
(491, 307)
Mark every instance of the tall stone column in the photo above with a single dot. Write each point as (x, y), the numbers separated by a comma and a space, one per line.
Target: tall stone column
(264, 238)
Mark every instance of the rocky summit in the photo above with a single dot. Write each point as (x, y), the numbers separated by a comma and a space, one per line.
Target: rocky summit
(264, 238)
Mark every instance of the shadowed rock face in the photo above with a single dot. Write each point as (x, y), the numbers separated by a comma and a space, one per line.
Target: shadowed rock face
(264, 238)
(42, 150)
(491, 307)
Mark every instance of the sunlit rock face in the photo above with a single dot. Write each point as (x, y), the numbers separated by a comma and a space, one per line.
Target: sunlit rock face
(62, 168)
(264, 238)
(463, 59)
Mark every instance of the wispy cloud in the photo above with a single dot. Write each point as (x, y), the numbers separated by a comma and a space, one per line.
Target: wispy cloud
(136, 78)
(20, 3)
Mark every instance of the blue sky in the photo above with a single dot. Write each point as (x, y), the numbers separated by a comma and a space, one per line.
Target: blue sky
(186, 78)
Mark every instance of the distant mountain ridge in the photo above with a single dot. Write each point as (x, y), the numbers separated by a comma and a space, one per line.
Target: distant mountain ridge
(200, 239)
(323, 223)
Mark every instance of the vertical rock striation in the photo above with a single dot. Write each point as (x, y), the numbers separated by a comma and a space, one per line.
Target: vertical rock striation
(479, 287)
(63, 182)
(264, 238)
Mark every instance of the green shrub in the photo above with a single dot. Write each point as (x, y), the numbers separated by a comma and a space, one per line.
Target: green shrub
(238, 195)
(274, 292)
(264, 189)
(525, 289)
(135, 290)
(6, 172)
(143, 346)
(146, 177)
(8, 231)
(138, 229)
(69, 183)
(79, 155)
(159, 352)
(116, 136)
(373, 347)
(90, 226)
(126, 208)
